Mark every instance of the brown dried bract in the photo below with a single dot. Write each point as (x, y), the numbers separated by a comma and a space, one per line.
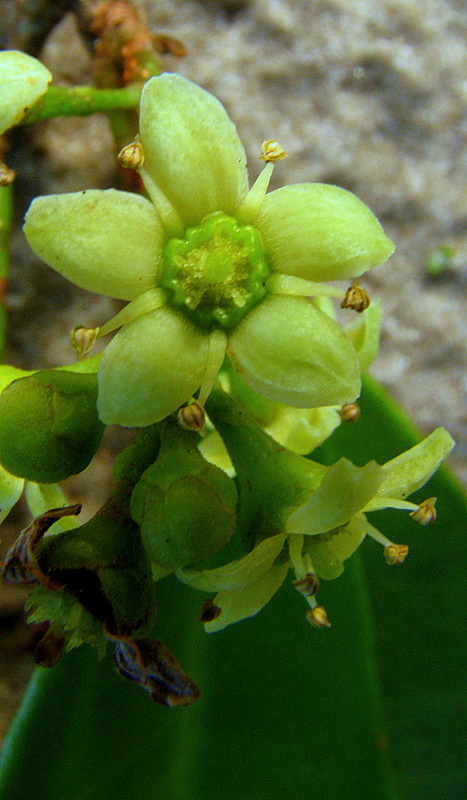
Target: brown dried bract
(124, 40)
(168, 44)
(20, 564)
(49, 649)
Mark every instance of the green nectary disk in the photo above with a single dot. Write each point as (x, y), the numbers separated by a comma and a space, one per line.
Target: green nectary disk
(217, 272)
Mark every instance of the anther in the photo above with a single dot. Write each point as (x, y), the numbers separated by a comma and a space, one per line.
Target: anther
(272, 151)
(132, 156)
(308, 586)
(318, 617)
(356, 298)
(426, 512)
(349, 412)
(209, 612)
(395, 553)
(7, 175)
(192, 417)
(83, 339)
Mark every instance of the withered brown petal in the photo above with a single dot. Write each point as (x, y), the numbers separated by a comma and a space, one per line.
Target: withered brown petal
(147, 662)
(20, 564)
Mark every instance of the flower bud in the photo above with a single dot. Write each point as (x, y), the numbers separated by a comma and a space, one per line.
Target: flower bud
(184, 506)
(50, 428)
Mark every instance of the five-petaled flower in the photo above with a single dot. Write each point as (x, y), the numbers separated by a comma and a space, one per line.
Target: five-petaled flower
(210, 267)
(322, 533)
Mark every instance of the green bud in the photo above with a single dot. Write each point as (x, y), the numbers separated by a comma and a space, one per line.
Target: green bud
(50, 428)
(185, 507)
(272, 480)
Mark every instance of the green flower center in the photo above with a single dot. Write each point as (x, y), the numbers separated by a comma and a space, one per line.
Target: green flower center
(217, 272)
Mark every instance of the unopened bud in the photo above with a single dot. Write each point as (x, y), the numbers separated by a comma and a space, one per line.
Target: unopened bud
(426, 512)
(132, 156)
(318, 617)
(192, 417)
(308, 585)
(272, 151)
(83, 339)
(349, 412)
(49, 425)
(356, 298)
(395, 553)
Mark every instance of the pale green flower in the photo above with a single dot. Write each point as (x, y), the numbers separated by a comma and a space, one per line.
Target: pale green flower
(322, 533)
(23, 80)
(299, 429)
(210, 267)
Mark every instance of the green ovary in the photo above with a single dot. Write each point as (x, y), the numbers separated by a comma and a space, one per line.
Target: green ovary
(217, 272)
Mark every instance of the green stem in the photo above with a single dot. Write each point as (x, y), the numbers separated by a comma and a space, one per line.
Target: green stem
(6, 214)
(81, 101)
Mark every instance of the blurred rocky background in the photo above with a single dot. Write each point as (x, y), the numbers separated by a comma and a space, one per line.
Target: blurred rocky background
(367, 94)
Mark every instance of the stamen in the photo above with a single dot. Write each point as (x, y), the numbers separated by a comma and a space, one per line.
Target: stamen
(216, 355)
(349, 412)
(83, 339)
(167, 213)
(318, 617)
(308, 586)
(295, 543)
(425, 512)
(248, 209)
(132, 156)
(289, 284)
(356, 298)
(393, 553)
(148, 301)
(192, 417)
(272, 151)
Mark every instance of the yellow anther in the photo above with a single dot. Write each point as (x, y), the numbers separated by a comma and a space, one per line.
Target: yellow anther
(318, 617)
(356, 298)
(395, 553)
(83, 339)
(308, 585)
(272, 151)
(132, 156)
(349, 412)
(426, 512)
(192, 417)
(7, 175)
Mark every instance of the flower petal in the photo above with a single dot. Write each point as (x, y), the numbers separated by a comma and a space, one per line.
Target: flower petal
(23, 80)
(349, 538)
(152, 366)
(320, 233)
(241, 603)
(238, 573)
(287, 349)
(191, 148)
(11, 489)
(409, 471)
(343, 492)
(108, 242)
